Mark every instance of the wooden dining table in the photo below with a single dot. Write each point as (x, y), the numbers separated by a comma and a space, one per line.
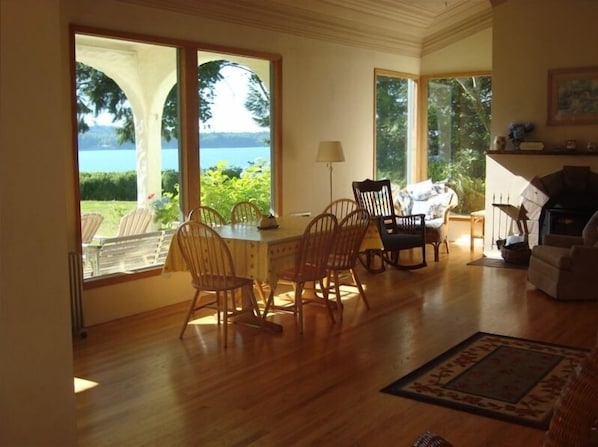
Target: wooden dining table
(260, 254)
(257, 253)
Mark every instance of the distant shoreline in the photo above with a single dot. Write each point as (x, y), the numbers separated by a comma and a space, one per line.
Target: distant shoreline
(104, 138)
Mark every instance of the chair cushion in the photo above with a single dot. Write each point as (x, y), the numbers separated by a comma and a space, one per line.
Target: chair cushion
(422, 190)
(556, 256)
(590, 231)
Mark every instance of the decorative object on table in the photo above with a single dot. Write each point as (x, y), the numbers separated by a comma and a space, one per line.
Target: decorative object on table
(507, 378)
(500, 143)
(268, 222)
(531, 146)
(330, 152)
(517, 132)
(571, 96)
(571, 145)
(591, 146)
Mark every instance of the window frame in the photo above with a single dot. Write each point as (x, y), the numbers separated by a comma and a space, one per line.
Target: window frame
(188, 123)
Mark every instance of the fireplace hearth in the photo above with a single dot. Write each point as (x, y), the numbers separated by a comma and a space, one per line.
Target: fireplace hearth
(561, 202)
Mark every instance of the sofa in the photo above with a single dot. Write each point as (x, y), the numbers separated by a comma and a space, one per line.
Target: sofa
(566, 267)
(434, 200)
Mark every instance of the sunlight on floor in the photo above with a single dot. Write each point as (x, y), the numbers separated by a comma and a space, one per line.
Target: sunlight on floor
(83, 384)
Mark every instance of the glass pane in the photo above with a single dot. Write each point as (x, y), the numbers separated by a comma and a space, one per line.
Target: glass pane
(127, 151)
(458, 136)
(235, 138)
(394, 128)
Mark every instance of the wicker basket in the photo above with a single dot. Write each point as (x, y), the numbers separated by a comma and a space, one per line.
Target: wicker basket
(516, 253)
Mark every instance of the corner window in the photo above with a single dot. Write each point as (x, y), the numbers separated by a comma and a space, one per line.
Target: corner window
(458, 134)
(395, 126)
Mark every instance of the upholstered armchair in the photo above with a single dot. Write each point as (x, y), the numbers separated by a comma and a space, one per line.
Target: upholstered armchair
(434, 200)
(566, 267)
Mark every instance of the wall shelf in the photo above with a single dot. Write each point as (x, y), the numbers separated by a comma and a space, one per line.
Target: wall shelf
(545, 152)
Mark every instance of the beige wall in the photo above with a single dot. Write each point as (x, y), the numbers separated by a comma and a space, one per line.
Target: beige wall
(530, 37)
(327, 94)
(474, 53)
(36, 376)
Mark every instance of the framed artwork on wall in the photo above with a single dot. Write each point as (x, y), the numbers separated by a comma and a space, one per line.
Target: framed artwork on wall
(573, 96)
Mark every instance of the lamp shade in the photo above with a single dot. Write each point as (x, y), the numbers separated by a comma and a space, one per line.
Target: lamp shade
(330, 151)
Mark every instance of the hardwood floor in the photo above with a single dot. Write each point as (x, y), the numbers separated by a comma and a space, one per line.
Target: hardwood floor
(322, 388)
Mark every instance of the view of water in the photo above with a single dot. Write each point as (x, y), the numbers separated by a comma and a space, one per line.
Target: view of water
(118, 160)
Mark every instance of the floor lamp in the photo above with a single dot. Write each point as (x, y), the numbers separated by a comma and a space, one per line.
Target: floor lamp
(330, 152)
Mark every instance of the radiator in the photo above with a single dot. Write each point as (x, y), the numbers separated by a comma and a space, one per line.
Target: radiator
(76, 289)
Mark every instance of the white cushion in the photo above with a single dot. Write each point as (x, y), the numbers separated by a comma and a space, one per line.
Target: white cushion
(421, 191)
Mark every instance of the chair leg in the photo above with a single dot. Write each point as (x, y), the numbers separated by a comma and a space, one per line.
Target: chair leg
(269, 301)
(189, 312)
(299, 306)
(360, 288)
(436, 251)
(326, 292)
(225, 316)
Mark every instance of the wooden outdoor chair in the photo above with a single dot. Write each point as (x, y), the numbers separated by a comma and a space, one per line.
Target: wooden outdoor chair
(90, 223)
(344, 254)
(209, 260)
(134, 222)
(396, 232)
(310, 266)
(207, 215)
(341, 207)
(245, 213)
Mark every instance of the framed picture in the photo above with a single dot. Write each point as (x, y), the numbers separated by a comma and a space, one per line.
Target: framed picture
(573, 96)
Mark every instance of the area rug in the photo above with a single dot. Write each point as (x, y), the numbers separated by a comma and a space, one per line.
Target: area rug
(498, 263)
(507, 378)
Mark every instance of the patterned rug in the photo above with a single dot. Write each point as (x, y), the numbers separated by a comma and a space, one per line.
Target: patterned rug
(506, 378)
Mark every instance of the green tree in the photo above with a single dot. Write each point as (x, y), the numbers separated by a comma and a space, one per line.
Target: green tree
(391, 127)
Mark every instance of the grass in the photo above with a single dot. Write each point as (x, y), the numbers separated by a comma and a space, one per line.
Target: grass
(111, 210)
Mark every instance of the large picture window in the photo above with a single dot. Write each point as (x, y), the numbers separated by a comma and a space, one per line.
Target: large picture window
(135, 157)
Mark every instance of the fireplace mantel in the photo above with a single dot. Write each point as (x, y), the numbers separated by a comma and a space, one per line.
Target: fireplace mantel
(544, 153)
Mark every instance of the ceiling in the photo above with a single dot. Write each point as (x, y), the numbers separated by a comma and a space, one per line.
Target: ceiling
(406, 27)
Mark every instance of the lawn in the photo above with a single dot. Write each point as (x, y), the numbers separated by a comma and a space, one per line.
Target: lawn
(112, 212)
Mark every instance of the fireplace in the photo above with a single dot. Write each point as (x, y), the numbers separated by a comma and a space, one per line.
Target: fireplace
(561, 202)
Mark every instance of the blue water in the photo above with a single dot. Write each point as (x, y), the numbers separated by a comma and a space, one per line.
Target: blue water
(118, 160)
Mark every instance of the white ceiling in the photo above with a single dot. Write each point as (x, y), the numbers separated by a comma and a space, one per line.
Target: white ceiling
(407, 27)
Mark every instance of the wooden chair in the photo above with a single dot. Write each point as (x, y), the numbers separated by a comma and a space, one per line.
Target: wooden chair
(207, 215)
(245, 213)
(345, 251)
(209, 260)
(341, 207)
(90, 223)
(397, 232)
(310, 266)
(134, 222)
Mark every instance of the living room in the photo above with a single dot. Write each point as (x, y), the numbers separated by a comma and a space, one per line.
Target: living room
(327, 95)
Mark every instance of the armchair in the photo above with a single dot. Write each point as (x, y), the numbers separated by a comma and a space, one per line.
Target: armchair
(435, 201)
(566, 267)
